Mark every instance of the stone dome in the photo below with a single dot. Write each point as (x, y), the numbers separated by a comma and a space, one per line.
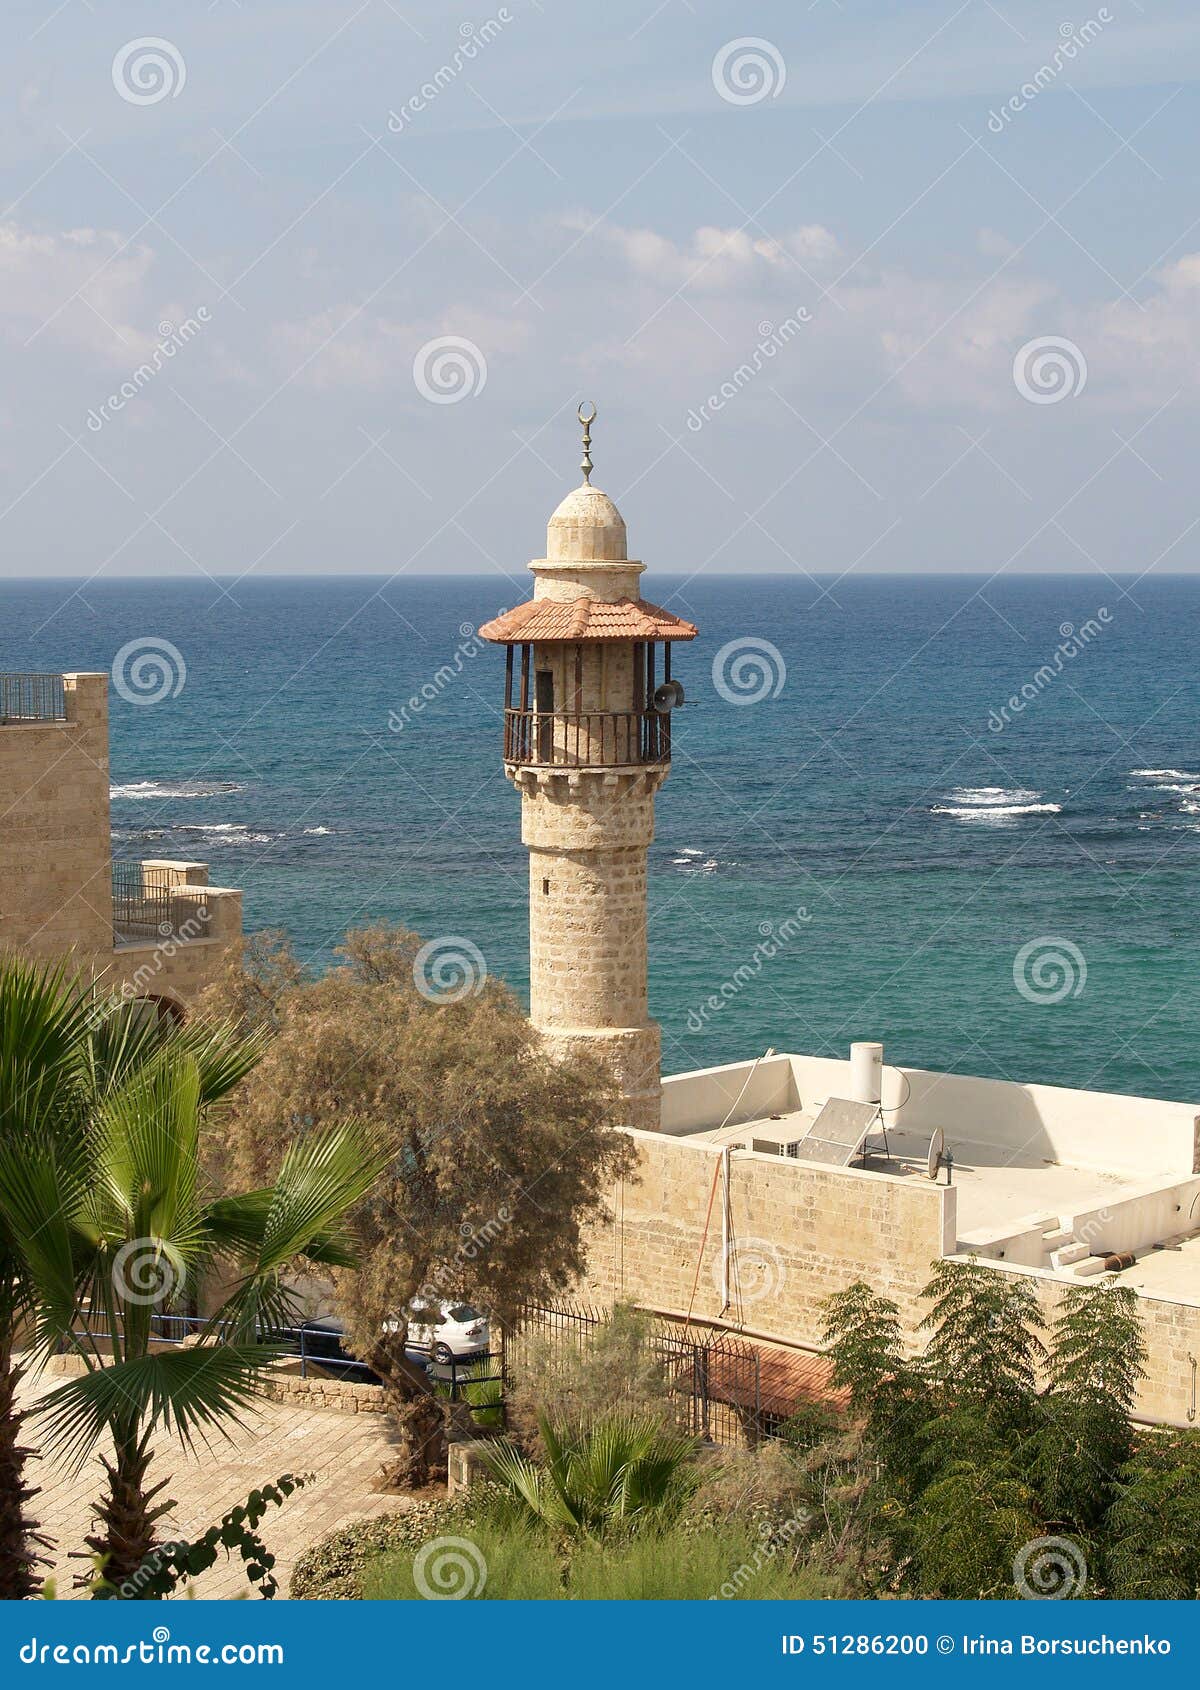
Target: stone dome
(587, 527)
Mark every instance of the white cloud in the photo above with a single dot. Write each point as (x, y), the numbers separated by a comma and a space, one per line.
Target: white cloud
(713, 258)
(77, 282)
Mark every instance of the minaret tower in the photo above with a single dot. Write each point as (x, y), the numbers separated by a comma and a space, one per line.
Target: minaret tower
(587, 743)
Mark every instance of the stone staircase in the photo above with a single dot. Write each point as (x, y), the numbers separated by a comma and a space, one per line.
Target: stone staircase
(1068, 1252)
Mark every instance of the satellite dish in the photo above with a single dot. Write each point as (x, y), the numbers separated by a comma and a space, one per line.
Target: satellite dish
(667, 696)
(937, 1145)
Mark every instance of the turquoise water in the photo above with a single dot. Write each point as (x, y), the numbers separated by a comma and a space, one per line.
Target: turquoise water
(925, 847)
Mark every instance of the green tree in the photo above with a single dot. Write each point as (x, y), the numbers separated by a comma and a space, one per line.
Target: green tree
(984, 1347)
(1097, 1357)
(1153, 1529)
(108, 1232)
(499, 1155)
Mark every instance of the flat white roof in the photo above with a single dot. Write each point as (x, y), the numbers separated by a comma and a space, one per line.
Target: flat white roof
(1043, 1176)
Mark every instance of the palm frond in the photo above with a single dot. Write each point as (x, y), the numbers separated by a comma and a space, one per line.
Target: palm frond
(321, 1177)
(44, 1017)
(192, 1391)
(144, 1149)
(40, 1192)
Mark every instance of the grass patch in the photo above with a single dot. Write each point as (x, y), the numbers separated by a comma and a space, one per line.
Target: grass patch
(524, 1564)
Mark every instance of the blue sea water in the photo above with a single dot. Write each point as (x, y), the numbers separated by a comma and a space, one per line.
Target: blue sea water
(879, 790)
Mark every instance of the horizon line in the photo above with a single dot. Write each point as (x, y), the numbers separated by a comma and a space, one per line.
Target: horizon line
(657, 575)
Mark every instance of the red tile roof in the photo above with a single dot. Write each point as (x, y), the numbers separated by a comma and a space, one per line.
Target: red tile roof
(586, 619)
(785, 1379)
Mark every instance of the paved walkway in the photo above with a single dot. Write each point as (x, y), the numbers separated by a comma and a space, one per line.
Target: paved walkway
(345, 1451)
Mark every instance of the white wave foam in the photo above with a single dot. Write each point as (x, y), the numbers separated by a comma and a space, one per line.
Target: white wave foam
(994, 812)
(226, 833)
(167, 789)
(315, 830)
(688, 851)
(991, 796)
(1164, 774)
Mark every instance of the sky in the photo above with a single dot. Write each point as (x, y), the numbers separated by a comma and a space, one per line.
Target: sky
(854, 286)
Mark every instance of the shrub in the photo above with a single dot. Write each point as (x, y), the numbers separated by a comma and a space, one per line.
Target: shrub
(613, 1370)
(331, 1570)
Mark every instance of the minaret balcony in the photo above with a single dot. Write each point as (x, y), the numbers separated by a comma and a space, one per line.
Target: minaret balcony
(597, 739)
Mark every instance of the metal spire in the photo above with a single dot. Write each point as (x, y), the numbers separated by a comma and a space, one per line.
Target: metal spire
(587, 421)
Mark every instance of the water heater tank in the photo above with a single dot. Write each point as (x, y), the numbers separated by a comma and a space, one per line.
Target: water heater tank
(866, 1073)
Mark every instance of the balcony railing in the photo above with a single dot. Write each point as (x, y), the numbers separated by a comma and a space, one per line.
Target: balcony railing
(32, 698)
(588, 738)
(141, 903)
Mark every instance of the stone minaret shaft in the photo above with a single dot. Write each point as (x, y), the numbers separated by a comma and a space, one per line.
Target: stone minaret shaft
(587, 743)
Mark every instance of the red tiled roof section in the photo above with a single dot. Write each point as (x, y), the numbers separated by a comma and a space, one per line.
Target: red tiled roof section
(586, 619)
(786, 1379)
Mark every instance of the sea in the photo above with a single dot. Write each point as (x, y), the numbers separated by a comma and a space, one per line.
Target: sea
(956, 815)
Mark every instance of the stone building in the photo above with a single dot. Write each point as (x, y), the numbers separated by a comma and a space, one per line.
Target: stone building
(587, 743)
(154, 930)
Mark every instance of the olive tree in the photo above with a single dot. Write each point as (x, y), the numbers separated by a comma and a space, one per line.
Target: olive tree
(500, 1155)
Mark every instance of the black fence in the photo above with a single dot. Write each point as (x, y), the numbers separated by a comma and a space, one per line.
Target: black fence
(715, 1378)
(141, 903)
(32, 698)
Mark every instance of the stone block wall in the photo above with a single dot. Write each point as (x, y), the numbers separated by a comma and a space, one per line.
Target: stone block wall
(55, 883)
(56, 862)
(797, 1233)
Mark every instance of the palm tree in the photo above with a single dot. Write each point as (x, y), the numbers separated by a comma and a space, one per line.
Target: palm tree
(44, 1022)
(103, 1215)
(625, 1470)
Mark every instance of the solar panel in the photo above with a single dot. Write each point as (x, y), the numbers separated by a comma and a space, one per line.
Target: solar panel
(838, 1133)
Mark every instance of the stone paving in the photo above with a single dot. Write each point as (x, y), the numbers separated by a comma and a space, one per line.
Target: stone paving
(345, 1451)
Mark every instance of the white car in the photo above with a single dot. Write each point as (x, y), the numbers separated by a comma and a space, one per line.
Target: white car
(448, 1331)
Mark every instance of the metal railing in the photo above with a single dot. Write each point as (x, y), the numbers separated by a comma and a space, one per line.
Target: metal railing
(141, 903)
(321, 1353)
(587, 738)
(32, 698)
(715, 1378)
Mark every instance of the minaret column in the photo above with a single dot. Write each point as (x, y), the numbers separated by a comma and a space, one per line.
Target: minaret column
(587, 744)
(588, 835)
